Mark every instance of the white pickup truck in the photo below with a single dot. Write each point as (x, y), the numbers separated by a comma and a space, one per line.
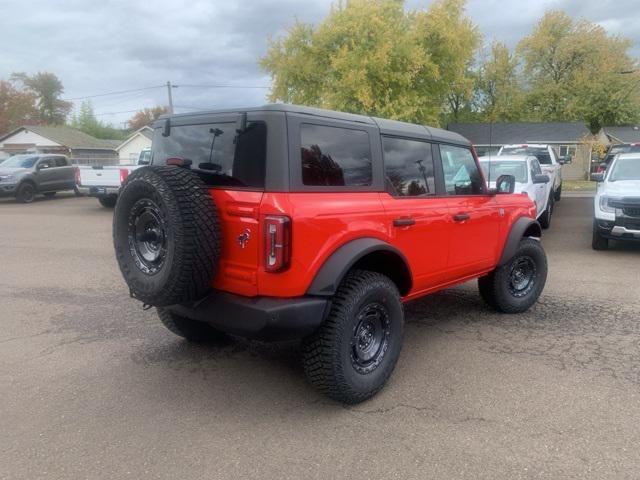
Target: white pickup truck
(103, 182)
(549, 161)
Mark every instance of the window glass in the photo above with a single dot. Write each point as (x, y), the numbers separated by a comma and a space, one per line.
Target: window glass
(492, 170)
(47, 163)
(461, 174)
(541, 153)
(535, 166)
(333, 156)
(61, 162)
(223, 157)
(408, 167)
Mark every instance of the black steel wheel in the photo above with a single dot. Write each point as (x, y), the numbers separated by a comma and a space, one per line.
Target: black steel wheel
(352, 354)
(166, 235)
(515, 286)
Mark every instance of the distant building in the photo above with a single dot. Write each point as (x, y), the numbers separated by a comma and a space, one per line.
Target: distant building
(570, 139)
(131, 147)
(83, 149)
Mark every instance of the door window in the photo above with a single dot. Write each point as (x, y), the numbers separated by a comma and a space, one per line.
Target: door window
(461, 173)
(408, 167)
(61, 162)
(46, 163)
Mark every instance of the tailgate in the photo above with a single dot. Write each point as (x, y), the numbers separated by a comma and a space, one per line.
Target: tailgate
(100, 176)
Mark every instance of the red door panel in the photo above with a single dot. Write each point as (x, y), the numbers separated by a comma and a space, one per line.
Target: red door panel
(422, 233)
(474, 234)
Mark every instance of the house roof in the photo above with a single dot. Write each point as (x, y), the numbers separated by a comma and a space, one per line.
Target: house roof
(623, 134)
(521, 132)
(68, 137)
(145, 131)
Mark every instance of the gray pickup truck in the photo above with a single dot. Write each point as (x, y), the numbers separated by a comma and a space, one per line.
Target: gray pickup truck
(24, 176)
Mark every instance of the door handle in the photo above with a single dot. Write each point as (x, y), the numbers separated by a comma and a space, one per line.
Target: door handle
(403, 222)
(461, 217)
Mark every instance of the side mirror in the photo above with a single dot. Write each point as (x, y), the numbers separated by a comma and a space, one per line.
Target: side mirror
(505, 184)
(541, 178)
(597, 177)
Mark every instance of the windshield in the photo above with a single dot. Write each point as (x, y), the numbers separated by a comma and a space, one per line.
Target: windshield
(541, 153)
(625, 169)
(517, 169)
(20, 161)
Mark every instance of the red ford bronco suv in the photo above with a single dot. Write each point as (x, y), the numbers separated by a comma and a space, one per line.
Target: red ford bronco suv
(285, 222)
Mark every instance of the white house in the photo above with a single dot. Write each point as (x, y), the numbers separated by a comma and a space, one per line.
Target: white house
(129, 150)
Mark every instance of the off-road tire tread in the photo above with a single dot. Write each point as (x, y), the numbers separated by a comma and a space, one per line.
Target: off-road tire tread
(320, 351)
(197, 235)
(492, 286)
(598, 242)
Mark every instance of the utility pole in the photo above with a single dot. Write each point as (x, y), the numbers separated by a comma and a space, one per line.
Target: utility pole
(170, 97)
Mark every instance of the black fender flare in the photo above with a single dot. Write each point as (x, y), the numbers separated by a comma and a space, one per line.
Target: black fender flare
(336, 266)
(523, 227)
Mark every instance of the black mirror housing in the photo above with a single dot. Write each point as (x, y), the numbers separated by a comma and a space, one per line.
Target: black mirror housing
(505, 184)
(541, 178)
(597, 177)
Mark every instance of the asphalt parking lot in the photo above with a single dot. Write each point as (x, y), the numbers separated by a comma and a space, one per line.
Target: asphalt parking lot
(92, 386)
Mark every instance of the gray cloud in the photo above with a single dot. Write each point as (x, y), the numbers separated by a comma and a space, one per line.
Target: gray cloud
(96, 47)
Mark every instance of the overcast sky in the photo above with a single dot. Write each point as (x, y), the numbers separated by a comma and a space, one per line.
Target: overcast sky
(96, 47)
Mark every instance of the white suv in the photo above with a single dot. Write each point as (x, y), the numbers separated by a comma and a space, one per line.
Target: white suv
(549, 161)
(617, 202)
(530, 179)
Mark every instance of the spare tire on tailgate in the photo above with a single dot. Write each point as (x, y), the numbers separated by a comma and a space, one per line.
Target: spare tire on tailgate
(166, 235)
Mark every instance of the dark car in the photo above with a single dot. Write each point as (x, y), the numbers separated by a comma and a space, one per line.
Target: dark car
(614, 150)
(24, 176)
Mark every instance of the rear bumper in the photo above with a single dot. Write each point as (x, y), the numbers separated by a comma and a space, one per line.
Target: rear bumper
(261, 318)
(98, 191)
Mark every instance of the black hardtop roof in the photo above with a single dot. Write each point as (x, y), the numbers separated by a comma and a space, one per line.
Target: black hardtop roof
(389, 127)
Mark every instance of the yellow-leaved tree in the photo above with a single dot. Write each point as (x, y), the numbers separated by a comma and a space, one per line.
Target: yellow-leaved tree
(376, 58)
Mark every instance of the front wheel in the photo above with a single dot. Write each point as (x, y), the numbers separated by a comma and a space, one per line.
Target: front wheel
(598, 242)
(351, 356)
(26, 193)
(515, 286)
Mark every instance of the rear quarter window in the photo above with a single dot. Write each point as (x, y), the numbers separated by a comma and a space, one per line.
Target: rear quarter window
(220, 155)
(335, 156)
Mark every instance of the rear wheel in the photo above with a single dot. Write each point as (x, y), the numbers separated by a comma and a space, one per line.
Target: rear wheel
(516, 286)
(26, 192)
(598, 242)
(351, 356)
(108, 201)
(191, 330)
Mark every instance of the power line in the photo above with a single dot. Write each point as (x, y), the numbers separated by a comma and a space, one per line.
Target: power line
(115, 113)
(222, 86)
(115, 93)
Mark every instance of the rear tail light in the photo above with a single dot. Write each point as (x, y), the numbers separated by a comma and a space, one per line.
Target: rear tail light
(277, 231)
(77, 175)
(124, 174)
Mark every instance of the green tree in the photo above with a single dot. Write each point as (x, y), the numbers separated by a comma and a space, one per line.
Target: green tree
(499, 95)
(373, 57)
(47, 88)
(574, 71)
(87, 122)
(16, 108)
